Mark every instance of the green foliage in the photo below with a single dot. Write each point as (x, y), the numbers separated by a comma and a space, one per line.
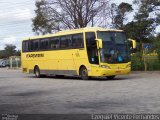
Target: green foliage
(152, 63)
(137, 63)
(157, 45)
(40, 22)
(9, 50)
(140, 30)
(144, 24)
(18, 53)
(55, 15)
(152, 66)
(158, 52)
(119, 16)
(2, 54)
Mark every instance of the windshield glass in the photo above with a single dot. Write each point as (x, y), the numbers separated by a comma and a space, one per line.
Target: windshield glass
(115, 47)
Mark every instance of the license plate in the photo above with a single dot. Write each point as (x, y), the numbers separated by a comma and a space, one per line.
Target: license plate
(118, 71)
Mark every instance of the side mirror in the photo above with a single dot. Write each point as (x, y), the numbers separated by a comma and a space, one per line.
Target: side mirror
(132, 45)
(99, 43)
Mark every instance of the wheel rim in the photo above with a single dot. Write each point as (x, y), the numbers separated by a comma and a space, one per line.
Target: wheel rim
(37, 72)
(84, 74)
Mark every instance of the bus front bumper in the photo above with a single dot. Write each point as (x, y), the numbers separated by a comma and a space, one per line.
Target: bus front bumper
(109, 72)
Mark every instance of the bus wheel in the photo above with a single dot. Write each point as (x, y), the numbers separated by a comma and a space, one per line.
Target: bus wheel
(84, 73)
(110, 77)
(37, 72)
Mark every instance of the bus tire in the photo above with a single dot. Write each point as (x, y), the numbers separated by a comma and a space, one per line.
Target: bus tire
(111, 77)
(84, 73)
(37, 72)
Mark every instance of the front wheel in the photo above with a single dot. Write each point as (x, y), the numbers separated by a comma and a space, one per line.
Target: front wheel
(111, 77)
(84, 73)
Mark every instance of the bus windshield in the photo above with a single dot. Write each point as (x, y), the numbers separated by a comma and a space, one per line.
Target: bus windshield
(115, 47)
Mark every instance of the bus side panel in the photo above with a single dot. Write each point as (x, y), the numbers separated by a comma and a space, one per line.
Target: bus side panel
(52, 62)
(32, 59)
(66, 64)
(80, 58)
(24, 63)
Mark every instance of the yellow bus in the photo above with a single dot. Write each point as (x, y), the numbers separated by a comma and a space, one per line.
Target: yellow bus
(86, 52)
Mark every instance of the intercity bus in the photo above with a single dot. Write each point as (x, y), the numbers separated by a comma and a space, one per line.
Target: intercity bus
(86, 52)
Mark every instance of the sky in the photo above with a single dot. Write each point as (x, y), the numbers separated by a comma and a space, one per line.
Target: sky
(16, 20)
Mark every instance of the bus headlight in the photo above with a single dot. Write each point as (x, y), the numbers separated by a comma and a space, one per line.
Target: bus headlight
(128, 66)
(105, 66)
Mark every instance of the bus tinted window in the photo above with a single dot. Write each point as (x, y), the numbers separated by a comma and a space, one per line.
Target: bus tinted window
(77, 41)
(34, 45)
(64, 42)
(23, 46)
(69, 39)
(44, 44)
(54, 43)
(90, 39)
(26, 46)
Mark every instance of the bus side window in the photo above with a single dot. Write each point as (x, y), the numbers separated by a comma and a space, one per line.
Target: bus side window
(24, 46)
(29, 45)
(77, 40)
(63, 42)
(69, 41)
(44, 44)
(54, 43)
(35, 45)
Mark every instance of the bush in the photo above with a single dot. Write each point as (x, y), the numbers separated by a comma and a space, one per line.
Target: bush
(158, 52)
(152, 63)
(157, 45)
(137, 63)
(153, 66)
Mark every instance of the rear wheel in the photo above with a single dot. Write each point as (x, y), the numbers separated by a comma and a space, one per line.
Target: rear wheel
(37, 72)
(111, 77)
(84, 73)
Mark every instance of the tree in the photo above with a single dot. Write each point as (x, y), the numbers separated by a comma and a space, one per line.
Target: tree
(64, 14)
(18, 53)
(157, 45)
(9, 50)
(123, 9)
(2, 54)
(119, 13)
(140, 30)
(143, 26)
(148, 9)
(112, 14)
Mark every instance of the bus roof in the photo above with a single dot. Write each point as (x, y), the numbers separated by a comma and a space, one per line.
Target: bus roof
(73, 31)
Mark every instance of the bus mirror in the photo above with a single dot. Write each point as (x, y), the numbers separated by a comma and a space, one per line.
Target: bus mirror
(99, 43)
(132, 45)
